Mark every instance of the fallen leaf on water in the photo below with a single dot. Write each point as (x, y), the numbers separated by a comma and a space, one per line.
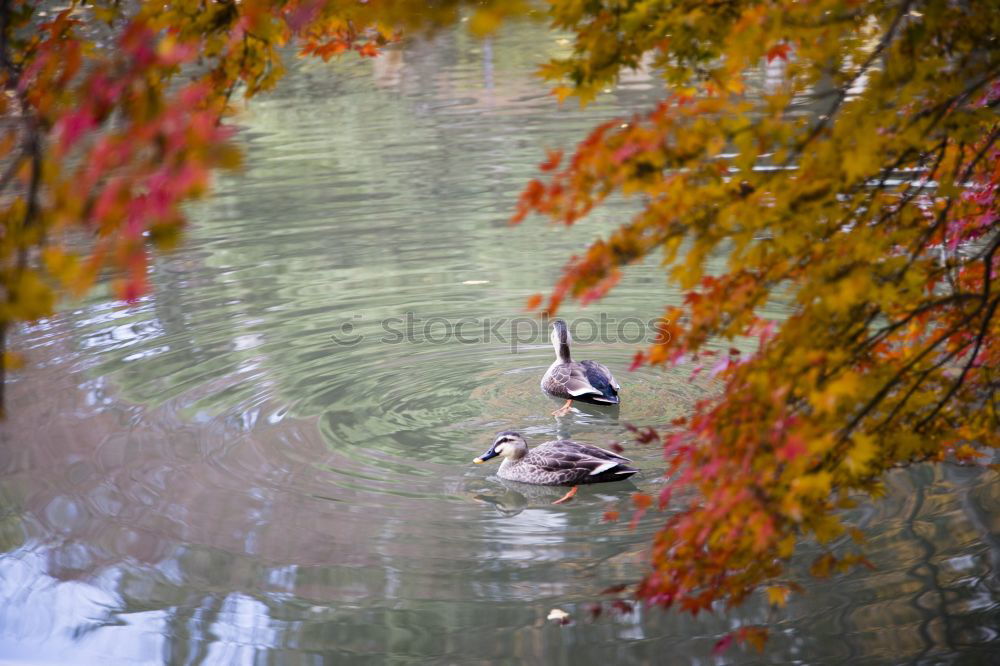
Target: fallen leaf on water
(559, 616)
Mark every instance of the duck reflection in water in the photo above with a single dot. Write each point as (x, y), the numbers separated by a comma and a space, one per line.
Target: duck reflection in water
(509, 498)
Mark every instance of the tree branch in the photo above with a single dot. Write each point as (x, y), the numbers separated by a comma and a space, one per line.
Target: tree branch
(987, 279)
(842, 92)
(916, 384)
(887, 387)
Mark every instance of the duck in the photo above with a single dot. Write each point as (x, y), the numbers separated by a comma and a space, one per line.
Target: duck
(561, 462)
(583, 381)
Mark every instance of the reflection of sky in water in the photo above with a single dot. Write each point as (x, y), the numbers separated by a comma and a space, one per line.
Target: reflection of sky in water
(65, 616)
(209, 478)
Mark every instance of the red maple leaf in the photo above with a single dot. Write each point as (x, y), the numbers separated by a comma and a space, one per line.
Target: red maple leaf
(778, 51)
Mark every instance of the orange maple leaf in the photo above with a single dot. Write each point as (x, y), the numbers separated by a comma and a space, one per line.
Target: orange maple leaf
(778, 51)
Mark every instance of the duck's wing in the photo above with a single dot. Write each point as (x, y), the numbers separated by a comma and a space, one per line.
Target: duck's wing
(594, 451)
(600, 378)
(579, 463)
(611, 378)
(569, 380)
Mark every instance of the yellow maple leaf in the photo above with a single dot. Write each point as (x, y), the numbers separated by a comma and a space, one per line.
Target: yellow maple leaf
(966, 453)
(777, 595)
(484, 22)
(813, 485)
(860, 454)
(827, 399)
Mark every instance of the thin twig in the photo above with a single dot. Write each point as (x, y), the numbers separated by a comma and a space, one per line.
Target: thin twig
(888, 386)
(842, 93)
(987, 279)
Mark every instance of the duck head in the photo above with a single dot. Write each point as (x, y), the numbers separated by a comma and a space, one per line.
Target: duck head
(507, 444)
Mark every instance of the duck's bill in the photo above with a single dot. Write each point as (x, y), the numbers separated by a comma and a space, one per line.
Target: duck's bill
(486, 456)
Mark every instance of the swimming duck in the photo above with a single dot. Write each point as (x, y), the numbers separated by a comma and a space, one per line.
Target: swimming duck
(585, 381)
(562, 462)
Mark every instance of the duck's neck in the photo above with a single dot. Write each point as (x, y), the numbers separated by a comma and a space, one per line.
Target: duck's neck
(562, 351)
(511, 461)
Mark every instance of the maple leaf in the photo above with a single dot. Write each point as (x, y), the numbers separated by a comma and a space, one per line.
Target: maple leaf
(551, 162)
(966, 453)
(723, 644)
(637, 361)
(778, 51)
(641, 500)
(792, 449)
(861, 454)
(777, 595)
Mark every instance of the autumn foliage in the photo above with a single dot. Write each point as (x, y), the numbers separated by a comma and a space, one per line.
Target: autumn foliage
(841, 155)
(873, 216)
(113, 119)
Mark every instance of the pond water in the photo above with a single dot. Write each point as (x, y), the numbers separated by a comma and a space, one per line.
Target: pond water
(268, 459)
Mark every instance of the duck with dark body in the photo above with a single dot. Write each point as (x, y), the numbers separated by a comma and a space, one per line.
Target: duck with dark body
(562, 462)
(583, 381)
